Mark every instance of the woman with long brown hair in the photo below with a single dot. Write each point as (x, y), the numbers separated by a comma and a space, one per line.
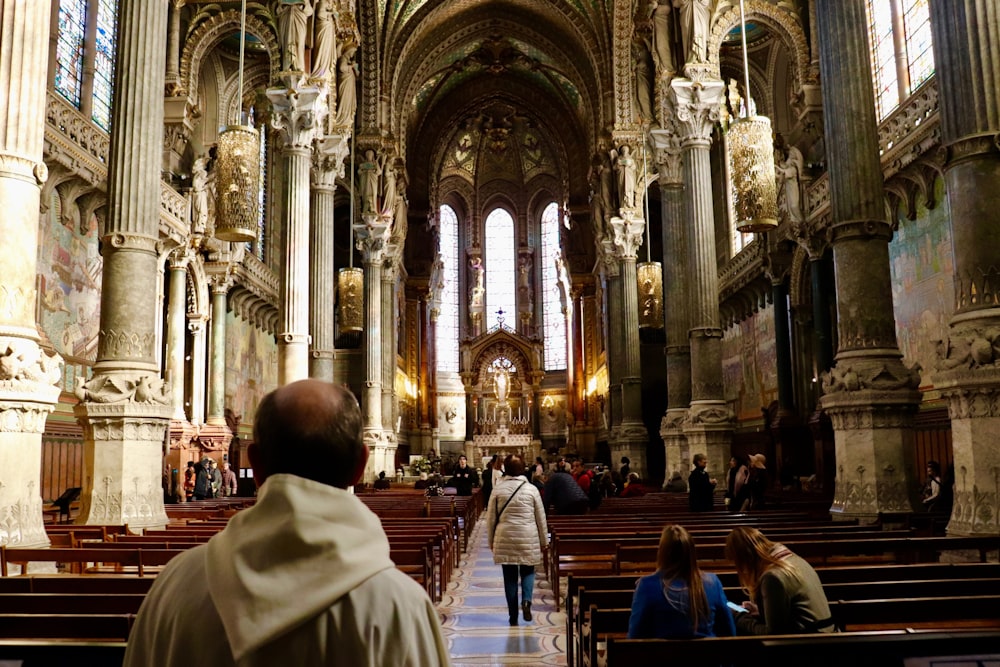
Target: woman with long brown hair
(679, 601)
(786, 594)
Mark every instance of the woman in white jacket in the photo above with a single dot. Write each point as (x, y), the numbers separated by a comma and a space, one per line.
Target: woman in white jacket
(515, 523)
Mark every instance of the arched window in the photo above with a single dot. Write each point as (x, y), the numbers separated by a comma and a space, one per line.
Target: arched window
(901, 53)
(446, 327)
(501, 267)
(553, 319)
(86, 42)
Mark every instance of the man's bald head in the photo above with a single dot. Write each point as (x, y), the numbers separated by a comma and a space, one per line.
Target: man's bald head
(311, 429)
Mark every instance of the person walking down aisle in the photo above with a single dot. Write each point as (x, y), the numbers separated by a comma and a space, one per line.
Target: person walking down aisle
(304, 576)
(701, 487)
(518, 533)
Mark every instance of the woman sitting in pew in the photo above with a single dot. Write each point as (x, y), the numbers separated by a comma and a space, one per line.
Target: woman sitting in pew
(786, 594)
(679, 601)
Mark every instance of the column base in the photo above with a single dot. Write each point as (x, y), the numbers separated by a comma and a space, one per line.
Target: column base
(632, 440)
(709, 431)
(675, 444)
(381, 453)
(123, 463)
(974, 407)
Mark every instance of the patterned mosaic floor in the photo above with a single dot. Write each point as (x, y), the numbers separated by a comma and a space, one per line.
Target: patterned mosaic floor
(474, 616)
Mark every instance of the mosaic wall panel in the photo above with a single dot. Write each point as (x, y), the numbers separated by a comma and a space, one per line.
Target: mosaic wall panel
(251, 366)
(749, 366)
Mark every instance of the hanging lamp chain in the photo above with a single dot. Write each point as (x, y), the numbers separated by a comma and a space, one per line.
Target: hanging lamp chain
(746, 59)
(243, 41)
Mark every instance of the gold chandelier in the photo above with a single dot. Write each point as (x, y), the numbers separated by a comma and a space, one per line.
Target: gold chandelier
(649, 274)
(237, 214)
(350, 299)
(751, 151)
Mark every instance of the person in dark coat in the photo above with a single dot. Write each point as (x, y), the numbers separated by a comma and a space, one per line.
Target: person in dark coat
(701, 487)
(464, 477)
(203, 480)
(564, 495)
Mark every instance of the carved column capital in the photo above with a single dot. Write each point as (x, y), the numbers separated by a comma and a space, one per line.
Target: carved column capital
(372, 236)
(627, 236)
(297, 114)
(328, 156)
(698, 105)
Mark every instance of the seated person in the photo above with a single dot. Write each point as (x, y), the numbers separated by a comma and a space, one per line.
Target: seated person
(679, 601)
(676, 484)
(786, 594)
(422, 483)
(633, 487)
(381, 484)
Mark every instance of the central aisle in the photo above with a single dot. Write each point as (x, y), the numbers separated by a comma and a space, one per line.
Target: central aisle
(474, 615)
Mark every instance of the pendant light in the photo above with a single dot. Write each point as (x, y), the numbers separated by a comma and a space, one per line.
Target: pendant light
(649, 275)
(351, 279)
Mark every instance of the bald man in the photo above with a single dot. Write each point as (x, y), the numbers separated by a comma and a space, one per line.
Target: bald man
(301, 578)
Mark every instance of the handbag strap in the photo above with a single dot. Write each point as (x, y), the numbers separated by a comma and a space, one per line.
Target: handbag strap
(510, 498)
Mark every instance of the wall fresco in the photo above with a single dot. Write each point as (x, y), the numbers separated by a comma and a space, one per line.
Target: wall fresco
(749, 364)
(251, 366)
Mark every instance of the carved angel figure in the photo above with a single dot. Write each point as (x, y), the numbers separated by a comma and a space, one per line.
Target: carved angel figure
(789, 171)
(625, 169)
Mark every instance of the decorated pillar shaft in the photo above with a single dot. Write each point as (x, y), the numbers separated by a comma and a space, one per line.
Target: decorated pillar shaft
(125, 407)
(675, 300)
(28, 375)
(327, 165)
(967, 68)
(217, 356)
(295, 115)
(869, 395)
(709, 422)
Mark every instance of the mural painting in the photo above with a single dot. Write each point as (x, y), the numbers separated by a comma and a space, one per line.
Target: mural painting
(749, 364)
(251, 365)
(923, 267)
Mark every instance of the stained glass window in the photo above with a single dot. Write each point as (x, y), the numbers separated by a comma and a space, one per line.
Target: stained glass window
(501, 268)
(553, 319)
(446, 327)
(919, 54)
(69, 49)
(104, 63)
(901, 53)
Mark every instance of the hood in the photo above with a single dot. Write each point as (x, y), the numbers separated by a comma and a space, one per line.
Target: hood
(299, 549)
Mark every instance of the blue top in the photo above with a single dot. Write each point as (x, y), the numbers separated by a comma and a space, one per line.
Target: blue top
(662, 613)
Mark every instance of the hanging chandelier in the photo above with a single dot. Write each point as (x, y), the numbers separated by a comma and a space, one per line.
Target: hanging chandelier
(649, 275)
(351, 279)
(751, 152)
(237, 212)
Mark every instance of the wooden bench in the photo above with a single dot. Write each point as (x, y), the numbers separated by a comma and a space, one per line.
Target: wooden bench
(102, 627)
(42, 653)
(119, 557)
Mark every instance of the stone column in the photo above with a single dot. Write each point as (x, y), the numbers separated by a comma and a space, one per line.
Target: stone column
(709, 423)
(125, 406)
(217, 354)
(174, 44)
(611, 277)
(295, 116)
(675, 301)
(176, 314)
(632, 437)
(327, 166)
(197, 325)
(870, 396)
(966, 33)
(372, 238)
(28, 376)
(390, 268)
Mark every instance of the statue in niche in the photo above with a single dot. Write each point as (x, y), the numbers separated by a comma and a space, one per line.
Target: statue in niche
(661, 16)
(524, 277)
(789, 172)
(625, 169)
(600, 194)
(347, 93)
(324, 38)
(501, 384)
(564, 282)
(643, 82)
(478, 290)
(696, 18)
(199, 196)
(369, 172)
(293, 18)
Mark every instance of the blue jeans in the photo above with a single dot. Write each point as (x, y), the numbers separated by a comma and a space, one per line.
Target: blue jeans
(510, 574)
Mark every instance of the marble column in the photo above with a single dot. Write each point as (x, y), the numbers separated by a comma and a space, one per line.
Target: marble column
(176, 334)
(174, 44)
(633, 437)
(125, 407)
(217, 354)
(327, 166)
(390, 268)
(197, 328)
(372, 237)
(709, 424)
(296, 115)
(675, 301)
(870, 396)
(967, 66)
(610, 276)
(29, 376)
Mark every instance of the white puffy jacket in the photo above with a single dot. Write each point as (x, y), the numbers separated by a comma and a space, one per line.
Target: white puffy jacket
(521, 534)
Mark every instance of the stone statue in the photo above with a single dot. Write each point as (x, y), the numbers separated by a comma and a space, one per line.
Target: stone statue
(564, 282)
(625, 169)
(347, 94)
(436, 280)
(600, 194)
(661, 15)
(293, 19)
(696, 18)
(388, 185)
(501, 384)
(643, 82)
(789, 171)
(401, 208)
(324, 39)
(199, 196)
(478, 280)
(368, 175)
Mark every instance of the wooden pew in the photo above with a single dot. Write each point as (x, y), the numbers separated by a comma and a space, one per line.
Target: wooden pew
(98, 627)
(40, 653)
(75, 603)
(121, 557)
